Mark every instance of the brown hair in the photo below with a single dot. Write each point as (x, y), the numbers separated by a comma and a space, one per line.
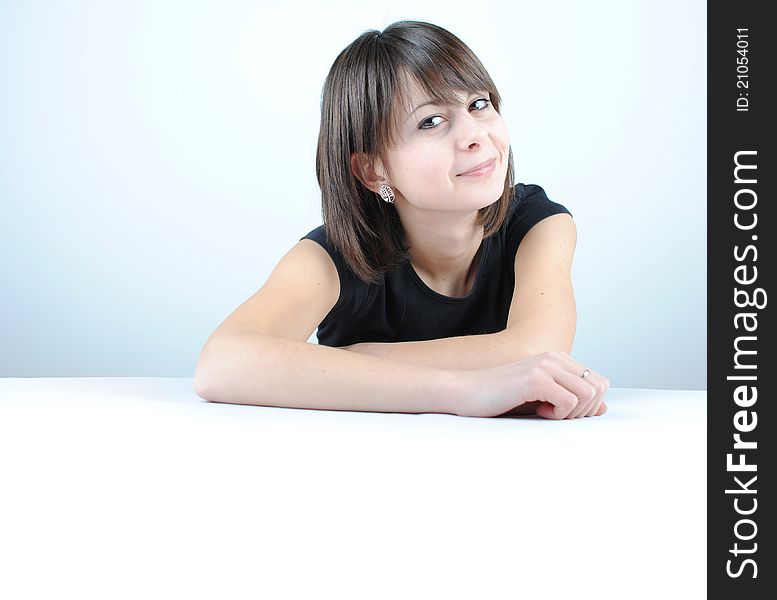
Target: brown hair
(359, 113)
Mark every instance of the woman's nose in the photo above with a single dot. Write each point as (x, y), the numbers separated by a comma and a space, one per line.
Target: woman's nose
(472, 131)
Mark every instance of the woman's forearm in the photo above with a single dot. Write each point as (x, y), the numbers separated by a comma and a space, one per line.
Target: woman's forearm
(457, 353)
(269, 371)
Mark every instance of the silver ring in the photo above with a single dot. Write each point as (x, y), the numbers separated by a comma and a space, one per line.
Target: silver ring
(586, 373)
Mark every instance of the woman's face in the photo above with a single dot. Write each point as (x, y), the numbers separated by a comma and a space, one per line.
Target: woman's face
(436, 145)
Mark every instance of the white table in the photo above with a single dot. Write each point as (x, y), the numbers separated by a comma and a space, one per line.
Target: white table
(136, 488)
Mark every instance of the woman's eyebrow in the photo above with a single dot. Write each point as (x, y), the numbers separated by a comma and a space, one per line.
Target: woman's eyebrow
(433, 103)
(420, 106)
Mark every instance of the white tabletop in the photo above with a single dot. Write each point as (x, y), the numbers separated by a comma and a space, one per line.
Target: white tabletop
(136, 488)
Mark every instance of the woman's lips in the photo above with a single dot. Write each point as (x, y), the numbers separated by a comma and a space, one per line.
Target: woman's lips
(485, 168)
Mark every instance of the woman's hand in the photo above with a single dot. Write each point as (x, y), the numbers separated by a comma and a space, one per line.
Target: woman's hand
(551, 382)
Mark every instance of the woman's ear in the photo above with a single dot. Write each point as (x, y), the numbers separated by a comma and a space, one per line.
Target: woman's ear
(367, 170)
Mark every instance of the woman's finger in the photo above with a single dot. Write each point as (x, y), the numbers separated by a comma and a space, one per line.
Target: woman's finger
(573, 395)
(598, 381)
(585, 407)
(585, 392)
(560, 402)
(594, 409)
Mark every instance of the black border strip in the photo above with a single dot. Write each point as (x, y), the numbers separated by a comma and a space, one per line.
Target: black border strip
(739, 272)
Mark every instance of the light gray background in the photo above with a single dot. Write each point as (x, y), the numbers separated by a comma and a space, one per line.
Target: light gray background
(157, 160)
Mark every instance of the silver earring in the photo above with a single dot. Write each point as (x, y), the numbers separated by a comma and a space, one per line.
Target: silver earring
(387, 193)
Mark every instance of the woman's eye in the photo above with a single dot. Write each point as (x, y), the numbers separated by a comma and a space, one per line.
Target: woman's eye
(428, 121)
(487, 103)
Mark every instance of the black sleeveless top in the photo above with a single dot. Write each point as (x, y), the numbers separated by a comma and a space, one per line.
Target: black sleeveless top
(402, 308)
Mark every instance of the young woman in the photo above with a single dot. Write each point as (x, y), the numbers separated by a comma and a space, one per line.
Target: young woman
(435, 282)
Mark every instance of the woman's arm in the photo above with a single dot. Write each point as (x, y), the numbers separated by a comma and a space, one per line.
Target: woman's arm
(463, 353)
(269, 371)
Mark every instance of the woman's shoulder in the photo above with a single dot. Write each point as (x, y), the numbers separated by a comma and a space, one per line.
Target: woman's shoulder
(528, 192)
(530, 205)
(530, 201)
(353, 291)
(319, 235)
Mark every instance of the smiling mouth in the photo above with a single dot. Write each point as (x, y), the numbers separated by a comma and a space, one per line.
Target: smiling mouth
(485, 169)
